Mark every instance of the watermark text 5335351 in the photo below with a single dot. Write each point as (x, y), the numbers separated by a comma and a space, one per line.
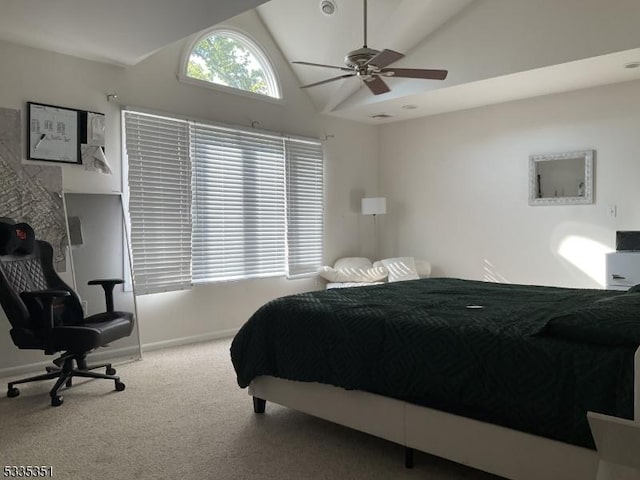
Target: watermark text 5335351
(27, 471)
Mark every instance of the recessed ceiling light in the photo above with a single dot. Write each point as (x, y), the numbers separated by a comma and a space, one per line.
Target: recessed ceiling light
(381, 115)
(409, 107)
(328, 7)
(632, 65)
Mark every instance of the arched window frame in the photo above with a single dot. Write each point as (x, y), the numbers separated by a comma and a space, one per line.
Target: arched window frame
(253, 46)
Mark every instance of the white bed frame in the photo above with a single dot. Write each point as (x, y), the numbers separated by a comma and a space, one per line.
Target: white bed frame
(492, 448)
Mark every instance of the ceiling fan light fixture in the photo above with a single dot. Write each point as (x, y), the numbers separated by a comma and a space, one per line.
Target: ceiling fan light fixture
(328, 7)
(368, 64)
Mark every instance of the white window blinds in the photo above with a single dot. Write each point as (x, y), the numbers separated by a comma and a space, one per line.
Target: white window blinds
(304, 163)
(238, 204)
(213, 203)
(157, 150)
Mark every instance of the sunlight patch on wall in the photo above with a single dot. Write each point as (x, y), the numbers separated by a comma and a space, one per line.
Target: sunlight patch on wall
(490, 274)
(585, 254)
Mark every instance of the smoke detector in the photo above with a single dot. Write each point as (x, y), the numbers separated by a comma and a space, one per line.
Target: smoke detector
(328, 7)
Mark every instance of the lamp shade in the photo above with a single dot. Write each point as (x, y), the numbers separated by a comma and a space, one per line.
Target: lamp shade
(374, 206)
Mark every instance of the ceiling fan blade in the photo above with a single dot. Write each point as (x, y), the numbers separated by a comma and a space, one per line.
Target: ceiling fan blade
(377, 85)
(384, 58)
(344, 69)
(415, 73)
(328, 80)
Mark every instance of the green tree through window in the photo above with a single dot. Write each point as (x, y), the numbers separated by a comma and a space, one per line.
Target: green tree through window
(227, 60)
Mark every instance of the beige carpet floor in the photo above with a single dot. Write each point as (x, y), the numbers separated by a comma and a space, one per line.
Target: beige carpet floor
(182, 416)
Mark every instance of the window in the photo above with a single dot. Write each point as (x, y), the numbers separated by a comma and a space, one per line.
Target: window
(159, 201)
(231, 59)
(255, 202)
(238, 204)
(305, 194)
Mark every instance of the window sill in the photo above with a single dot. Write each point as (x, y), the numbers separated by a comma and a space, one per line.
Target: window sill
(222, 88)
(204, 283)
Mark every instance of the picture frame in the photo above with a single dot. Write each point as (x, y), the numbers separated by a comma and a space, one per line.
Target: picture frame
(92, 127)
(53, 133)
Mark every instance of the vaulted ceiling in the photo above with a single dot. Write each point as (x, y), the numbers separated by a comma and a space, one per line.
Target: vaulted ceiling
(304, 33)
(122, 32)
(494, 50)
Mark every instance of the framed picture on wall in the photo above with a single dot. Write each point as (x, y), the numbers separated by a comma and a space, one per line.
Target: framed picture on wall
(53, 133)
(92, 127)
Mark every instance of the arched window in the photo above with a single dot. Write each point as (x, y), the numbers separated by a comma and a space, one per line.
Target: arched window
(229, 58)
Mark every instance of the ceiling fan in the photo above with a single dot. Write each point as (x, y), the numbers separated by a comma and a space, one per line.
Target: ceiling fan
(370, 65)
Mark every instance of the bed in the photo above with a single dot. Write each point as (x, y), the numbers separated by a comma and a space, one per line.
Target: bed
(495, 376)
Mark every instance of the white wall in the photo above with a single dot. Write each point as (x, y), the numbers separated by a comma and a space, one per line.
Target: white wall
(457, 187)
(351, 156)
(38, 76)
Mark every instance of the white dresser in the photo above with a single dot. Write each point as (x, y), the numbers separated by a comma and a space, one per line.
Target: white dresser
(623, 270)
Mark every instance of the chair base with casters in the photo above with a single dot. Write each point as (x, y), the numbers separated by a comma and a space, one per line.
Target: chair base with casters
(64, 371)
(46, 313)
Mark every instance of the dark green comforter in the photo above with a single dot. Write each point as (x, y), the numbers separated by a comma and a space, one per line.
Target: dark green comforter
(418, 341)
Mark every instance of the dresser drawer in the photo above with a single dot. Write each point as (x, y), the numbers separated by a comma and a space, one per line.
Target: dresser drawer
(623, 269)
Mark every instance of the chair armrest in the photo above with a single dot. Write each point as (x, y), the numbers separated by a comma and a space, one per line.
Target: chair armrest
(46, 297)
(107, 285)
(106, 281)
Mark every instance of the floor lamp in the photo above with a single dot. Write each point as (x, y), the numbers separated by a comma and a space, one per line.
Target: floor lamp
(374, 206)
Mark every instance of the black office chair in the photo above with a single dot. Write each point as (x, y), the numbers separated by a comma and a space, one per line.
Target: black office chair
(47, 315)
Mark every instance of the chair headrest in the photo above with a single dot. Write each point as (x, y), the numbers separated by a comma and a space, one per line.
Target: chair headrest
(16, 238)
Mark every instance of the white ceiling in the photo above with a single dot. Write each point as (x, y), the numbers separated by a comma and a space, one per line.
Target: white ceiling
(122, 32)
(304, 33)
(495, 50)
(590, 72)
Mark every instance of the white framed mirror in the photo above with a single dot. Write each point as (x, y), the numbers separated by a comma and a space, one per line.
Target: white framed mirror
(99, 248)
(561, 178)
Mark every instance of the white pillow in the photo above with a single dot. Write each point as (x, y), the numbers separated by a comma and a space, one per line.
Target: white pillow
(353, 274)
(352, 262)
(400, 268)
(423, 268)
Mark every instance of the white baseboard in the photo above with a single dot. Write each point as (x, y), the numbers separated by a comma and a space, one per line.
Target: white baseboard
(98, 356)
(23, 369)
(119, 353)
(175, 342)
